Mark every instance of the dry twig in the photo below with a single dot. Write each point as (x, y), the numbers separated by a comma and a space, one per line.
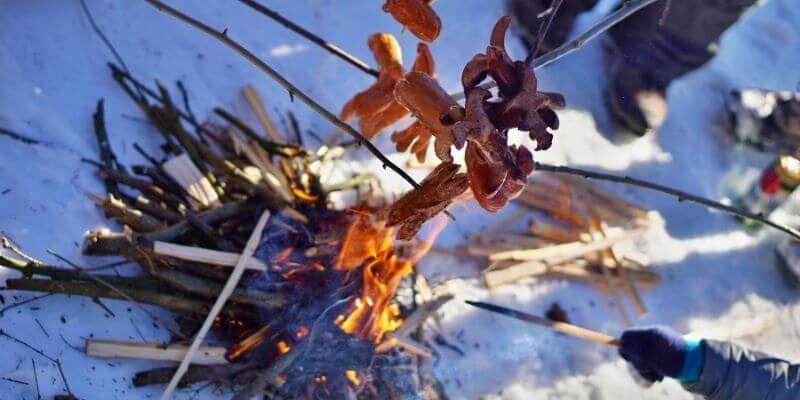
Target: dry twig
(333, 49)
(293, 90)
(680, 195)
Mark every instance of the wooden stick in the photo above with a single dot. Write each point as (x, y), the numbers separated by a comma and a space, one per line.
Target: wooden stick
(254, 100)
(408, 344)
(558, 208)
(627, 281)
(594, 226)
(562, 327)
(274, 177)
(554, 232)
(206, 355)
(230, 285)
(252, 97)
(506, 275)
(499, 277)
(207, 256)
(185, 173)
(613, 202)
(564, 252)
(644, 279)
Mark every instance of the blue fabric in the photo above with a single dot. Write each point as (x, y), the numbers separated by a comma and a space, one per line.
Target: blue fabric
(692, 362)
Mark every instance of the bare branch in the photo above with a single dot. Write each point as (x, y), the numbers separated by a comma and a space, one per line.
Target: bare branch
(624, 11)
(680, 195)
(333, 49)
(543, 29)
(292, 89)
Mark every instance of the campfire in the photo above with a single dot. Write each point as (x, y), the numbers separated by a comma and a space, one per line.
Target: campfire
(317, 312)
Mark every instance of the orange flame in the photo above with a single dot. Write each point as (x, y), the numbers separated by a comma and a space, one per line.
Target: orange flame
(368, 247)
(249, 342)
(303, 196)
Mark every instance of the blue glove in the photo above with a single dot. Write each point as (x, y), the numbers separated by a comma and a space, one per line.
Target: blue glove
(657, 352)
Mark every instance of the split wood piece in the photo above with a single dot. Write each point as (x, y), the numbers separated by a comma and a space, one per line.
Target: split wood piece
(613, 202)
(185, 173)
(406, 343)
(254, 100)
(601, 208)
(560, 208)
(206, 355)
(230, 285)
(587, 207)
(272, 176)
(562, 253)
(503, 276)
(556, 232)
(644, 279)
(207, 256)
(627, 281)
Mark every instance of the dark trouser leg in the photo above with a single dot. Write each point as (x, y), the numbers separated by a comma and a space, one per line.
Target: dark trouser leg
(666, 46)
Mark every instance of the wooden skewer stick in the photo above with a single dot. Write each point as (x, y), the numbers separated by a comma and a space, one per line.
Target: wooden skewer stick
(207, 256)
(562, 327)
(205, 355)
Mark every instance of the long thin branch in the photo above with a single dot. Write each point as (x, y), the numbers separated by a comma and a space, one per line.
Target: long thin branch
(333, 49)
(543, 29)
(680, 195)
(624, 11)
(292, 89)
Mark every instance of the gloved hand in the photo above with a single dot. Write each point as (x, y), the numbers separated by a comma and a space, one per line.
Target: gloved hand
(657, 352)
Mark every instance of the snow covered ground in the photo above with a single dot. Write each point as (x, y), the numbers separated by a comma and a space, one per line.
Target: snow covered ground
(718, 280)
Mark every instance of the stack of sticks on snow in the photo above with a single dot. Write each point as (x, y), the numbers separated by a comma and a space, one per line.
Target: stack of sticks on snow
(575, 231)
(315, 314)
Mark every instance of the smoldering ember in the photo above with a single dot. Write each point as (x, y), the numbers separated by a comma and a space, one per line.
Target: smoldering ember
(301, 222)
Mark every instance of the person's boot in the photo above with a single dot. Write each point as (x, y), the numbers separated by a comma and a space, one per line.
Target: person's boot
(763, 119)
(635, 104)
(528, 16)
(656, 45)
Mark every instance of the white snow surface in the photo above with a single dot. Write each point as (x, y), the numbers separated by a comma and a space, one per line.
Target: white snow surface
(718, 280)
